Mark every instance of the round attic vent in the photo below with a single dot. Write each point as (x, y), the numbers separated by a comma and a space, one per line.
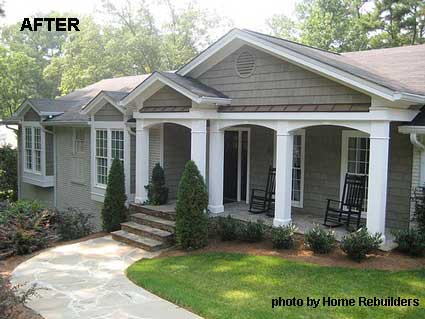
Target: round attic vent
(245, 64)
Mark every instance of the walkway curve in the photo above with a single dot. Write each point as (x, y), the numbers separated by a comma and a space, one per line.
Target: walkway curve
(87, 280)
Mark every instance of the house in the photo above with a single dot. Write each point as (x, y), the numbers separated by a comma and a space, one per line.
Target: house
(249, 101)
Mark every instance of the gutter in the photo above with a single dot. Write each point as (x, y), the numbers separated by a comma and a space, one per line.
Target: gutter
(414, 140)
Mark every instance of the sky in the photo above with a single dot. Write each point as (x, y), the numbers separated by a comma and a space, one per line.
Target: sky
(243, 13)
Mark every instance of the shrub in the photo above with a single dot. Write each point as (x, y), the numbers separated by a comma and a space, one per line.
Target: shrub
(319, 240)
(410, 241)
(73, 224)
(253, 231)
(359, 243)
(26, 226)
(191, 208)
(157, 192)
(11, 297)
(8, 173)
(114, 211)
(284, 236)
(228, 228)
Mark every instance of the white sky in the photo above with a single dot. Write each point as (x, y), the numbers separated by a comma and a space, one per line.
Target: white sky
(244, 13)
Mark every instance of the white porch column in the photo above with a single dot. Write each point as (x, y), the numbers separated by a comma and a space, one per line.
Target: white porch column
(284, 149)
(216, 169)
(378, 176)
(142, 161)
(198, 148)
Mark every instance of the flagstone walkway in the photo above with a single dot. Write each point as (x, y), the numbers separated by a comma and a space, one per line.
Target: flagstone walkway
(87, 280)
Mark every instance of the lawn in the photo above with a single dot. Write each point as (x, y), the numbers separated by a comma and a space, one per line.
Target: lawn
(232, 286)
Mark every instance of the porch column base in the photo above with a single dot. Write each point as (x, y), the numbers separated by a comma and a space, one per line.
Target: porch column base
(215, 209)
(139, 200)
(281, 222)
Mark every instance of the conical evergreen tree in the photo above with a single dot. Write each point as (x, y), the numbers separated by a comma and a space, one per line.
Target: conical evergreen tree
(191, 209)
(114, 210)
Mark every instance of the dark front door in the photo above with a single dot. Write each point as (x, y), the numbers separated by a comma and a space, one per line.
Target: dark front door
(230, 187)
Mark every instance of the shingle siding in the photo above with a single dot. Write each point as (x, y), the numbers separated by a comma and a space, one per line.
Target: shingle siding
(31, 115)
(70, 192)
(49, 155)
(108, 113)
(276, 82)
(167, 96)
(176, 154)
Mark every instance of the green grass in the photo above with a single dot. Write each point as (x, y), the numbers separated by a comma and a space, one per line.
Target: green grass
(232, 286)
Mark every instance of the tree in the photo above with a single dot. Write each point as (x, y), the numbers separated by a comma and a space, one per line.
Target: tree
(191, 207)
(114, 211)
(283, 27)
(8, 173)
(18, 79)
(157, 191)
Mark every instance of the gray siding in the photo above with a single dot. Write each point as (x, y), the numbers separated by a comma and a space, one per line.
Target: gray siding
(154, 147)
(31, 115)
(49, 155)
(108, 113)
(276, 81)
(400, 179)
(166, 96)
(323, 169)
(72, 191)
(176, 154)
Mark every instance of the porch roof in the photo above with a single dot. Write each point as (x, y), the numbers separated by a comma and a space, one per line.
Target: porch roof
(355, 107)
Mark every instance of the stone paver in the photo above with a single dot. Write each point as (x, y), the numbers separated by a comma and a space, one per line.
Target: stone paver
(87, 280)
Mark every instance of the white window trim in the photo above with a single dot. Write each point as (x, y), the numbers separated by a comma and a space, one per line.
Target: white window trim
(346, 134)
(42, 171)
(98, 190)
(301, 132)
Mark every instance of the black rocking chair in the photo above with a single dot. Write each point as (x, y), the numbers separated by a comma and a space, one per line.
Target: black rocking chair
(262, 200)
(340, 212)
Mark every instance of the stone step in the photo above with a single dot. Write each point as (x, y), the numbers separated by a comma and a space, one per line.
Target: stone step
(147, 231)
(153, 221)
(145, 243)
(162, 212)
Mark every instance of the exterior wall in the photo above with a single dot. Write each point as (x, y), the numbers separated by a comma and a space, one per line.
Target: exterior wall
(166, 96)
(29, 191)
(276, 81)
(176, 154)
(74, 190)
(154, 147)
(49, 154)
(261, 156)
(416, 181)
(132, 164)
(399, 180)
(108, 113)
(322, 170)
(31, 115)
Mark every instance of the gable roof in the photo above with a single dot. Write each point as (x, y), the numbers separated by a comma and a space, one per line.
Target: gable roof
(337, 66)
(189, 87)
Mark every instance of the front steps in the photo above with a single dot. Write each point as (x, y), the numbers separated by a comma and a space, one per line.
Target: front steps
(147, 229)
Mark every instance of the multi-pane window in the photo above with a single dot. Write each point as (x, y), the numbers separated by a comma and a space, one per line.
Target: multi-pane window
(109, 145)
(28, 148)
(101, 156)
(33, 148)
(117, 145)
(358, 158)
(297, 169)
(79, 140)
(37, 148)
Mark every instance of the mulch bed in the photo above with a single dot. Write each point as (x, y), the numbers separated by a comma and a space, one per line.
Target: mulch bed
(379, 260)
(8, 265)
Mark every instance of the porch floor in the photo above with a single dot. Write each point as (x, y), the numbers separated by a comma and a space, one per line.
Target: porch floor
(304, 222)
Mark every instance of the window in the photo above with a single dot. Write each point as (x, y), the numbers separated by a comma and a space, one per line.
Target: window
(79, 141)
(101, 156)
(28, 148)
(298, 170)
(33, 149)
(109, 145)
(355, 156)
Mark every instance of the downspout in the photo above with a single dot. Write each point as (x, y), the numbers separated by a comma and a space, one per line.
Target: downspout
(414, 140)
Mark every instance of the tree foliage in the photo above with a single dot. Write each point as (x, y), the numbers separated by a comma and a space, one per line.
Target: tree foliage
(191, 207)
(157, 191)
(114, 211)
(352, 25)
(8, 173)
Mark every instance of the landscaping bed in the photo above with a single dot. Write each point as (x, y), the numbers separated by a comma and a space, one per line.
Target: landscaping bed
(242, 279)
